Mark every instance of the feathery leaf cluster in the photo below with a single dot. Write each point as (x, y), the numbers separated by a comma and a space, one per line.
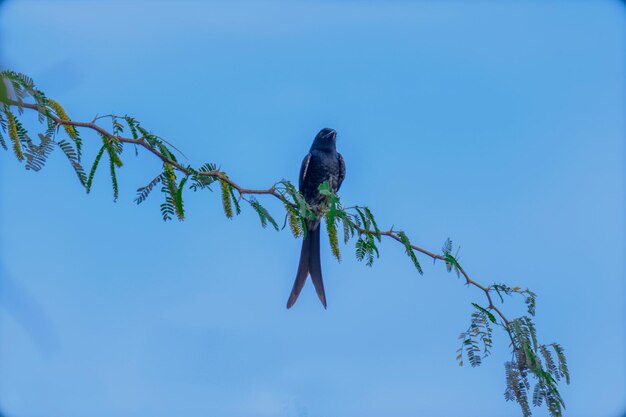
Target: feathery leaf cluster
(451, 260)
(531, 358)
(264, 216)
(476, 341)
(16, 87)
(71, 131)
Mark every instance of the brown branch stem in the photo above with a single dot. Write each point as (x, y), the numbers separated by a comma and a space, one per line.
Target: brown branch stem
(468, 280)
(243, 191)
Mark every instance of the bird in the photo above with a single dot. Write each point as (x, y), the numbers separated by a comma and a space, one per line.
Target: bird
(322, 163)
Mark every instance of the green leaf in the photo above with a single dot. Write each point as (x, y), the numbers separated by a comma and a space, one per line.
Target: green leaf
(4, 92)
(200, 179)
(132, 124)
(370, 216)
(364, 219)
(13, 130)
(371, 249)
(71, 131)
(560, 354)
(264, 215)
(235, 200)
(293, 220)
(72, 157)
(491, 317)
(324, 189)
(92, 172)
(361, 250)
(37, 155)
(174, 199)
(144, 192)
(303, 208)
(332, 236)
(112, 165)
(180, 209)
(167, 208)
(409, 250)
(226, 199)
(348, 228)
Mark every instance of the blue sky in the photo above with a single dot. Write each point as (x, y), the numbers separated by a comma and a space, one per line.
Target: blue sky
(498, 124)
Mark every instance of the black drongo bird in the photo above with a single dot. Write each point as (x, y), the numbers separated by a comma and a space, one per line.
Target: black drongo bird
(322, 163)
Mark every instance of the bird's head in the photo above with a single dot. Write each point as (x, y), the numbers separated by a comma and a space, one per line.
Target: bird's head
(325, 139)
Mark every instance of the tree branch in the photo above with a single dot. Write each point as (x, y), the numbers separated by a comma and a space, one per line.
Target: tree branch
(242, 190)
(527, 354)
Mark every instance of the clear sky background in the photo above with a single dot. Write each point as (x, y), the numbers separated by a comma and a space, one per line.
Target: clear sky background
(498, 124)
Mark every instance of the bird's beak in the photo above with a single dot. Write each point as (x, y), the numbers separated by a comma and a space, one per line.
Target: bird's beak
(333, 134)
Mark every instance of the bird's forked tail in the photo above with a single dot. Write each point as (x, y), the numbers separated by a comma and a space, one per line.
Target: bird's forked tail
(309, 264)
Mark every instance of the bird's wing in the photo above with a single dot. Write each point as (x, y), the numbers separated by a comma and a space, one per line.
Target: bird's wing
(342, 171)
(303, 169)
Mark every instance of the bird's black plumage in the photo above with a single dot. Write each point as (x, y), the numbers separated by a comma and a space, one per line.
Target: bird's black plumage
(322, 163)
